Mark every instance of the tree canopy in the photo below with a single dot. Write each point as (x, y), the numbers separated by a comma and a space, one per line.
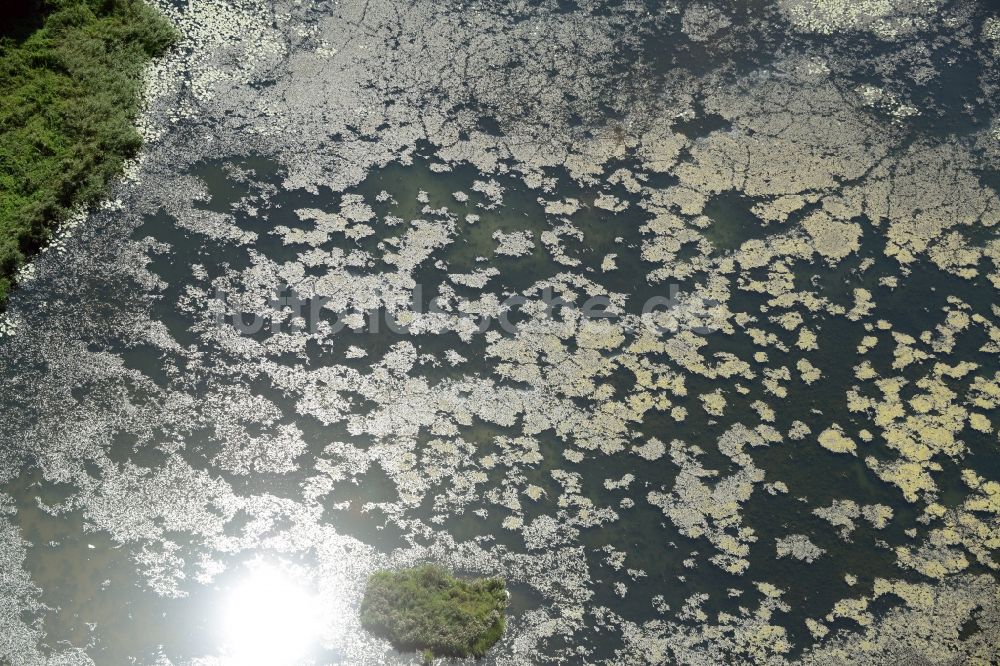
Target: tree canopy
(71, 76)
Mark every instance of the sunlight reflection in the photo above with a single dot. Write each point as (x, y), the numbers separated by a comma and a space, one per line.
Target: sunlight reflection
(271, 617)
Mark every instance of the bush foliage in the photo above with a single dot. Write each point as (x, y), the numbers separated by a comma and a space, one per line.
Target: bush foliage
(70, 89)
(426, 608)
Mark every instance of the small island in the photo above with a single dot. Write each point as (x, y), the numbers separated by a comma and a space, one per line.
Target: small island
(427, 609)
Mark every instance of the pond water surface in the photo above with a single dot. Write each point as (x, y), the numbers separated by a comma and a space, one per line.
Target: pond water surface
(681, 318)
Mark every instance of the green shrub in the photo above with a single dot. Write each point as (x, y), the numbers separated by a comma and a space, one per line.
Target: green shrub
(69, 94)
(427, 609)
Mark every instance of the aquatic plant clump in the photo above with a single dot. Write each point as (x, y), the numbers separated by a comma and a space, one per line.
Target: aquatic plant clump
(71, 92)
(427, 609)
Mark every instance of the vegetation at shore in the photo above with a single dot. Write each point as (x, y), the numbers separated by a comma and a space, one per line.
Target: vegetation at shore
(70, 89)
(427, 609)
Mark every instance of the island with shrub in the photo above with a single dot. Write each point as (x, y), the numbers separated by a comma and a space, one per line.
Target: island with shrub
(427, 609)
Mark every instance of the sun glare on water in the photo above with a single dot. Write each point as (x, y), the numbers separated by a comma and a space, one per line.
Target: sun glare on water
(270, 617)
